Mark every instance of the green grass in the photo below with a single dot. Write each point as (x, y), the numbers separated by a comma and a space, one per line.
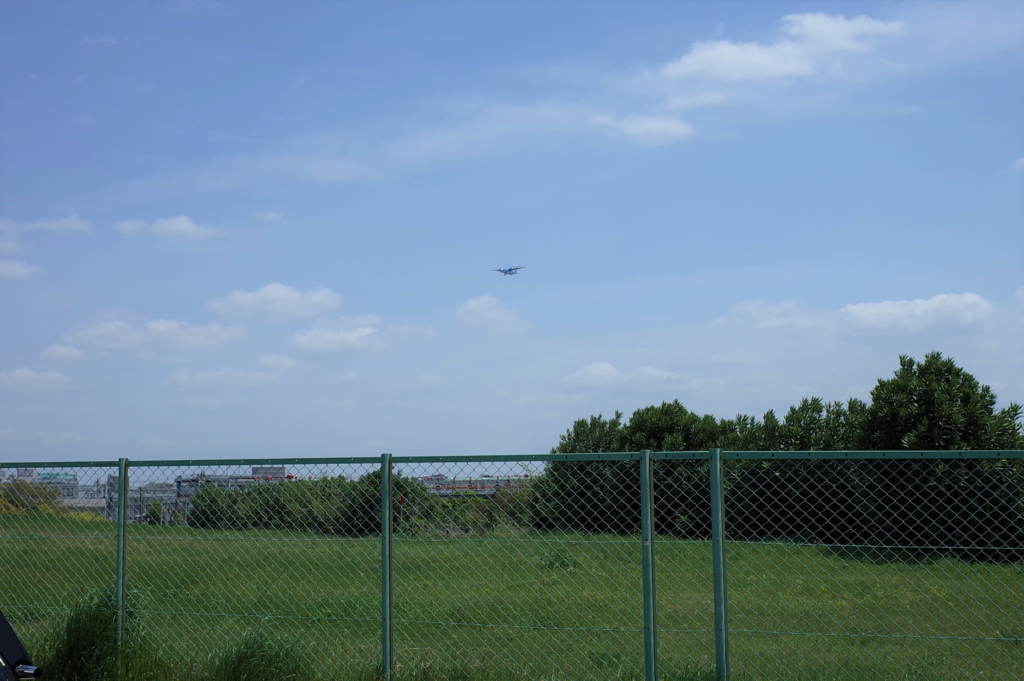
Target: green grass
(513, 606)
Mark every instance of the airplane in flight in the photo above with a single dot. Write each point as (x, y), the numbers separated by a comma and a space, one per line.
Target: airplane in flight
(508, 271)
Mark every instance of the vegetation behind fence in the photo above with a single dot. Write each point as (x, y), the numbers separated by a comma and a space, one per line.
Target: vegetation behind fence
(832, 564)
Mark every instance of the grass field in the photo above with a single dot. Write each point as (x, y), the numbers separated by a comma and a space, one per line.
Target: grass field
(517, 605)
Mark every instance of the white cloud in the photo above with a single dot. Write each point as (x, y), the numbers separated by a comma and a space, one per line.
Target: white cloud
(488, 313)
(431, 378)
(280, 362)
(30, 380)
(1018, 164)
(830, 33)
(684, 102)
(180, 228)
(72, 223)
(958, 308)
(222, 378)
(184, 335)
(277, 301)
(320, 339)
(813, 40)
(604, 373)
(17, 270)
(598, 373)
(118, 334)
(357, 333)
(725, 60)
(110, 335)
(648, 129)
(10, 246)
(459, 129)
(269, 217)
(765, 315)
(62, 353)
(964, 309)
(1019, 294)
(411, 330)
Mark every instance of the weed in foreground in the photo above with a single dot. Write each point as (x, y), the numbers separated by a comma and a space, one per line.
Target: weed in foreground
(689, 674)
(259, 657)
(559, 559)
(85, 647)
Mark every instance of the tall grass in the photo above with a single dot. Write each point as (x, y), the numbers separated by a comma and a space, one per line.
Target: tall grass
(259, 657)
(85, 646)
(500, 607)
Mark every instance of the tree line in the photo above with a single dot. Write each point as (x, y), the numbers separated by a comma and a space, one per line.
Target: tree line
(971, 509)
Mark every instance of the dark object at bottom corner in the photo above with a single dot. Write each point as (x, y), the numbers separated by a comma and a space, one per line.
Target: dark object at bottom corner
(15, 663)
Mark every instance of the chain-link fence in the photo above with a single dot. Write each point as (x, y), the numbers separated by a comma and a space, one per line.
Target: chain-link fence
(685, 565)
(875, 567)
(508, 568)
(291, 549)
(58, 540)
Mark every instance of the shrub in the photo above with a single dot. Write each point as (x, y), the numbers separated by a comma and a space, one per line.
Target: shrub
(22, 495)
(259, 657)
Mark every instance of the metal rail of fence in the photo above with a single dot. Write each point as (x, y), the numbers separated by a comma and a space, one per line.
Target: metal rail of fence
(671, 565)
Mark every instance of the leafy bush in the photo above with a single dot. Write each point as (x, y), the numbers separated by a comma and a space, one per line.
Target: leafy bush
(329, 505)
(154, 513)
(19, 495)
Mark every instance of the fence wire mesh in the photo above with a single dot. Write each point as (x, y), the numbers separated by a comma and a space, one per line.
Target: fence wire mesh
(516, 570)
(58, 539)
(682, 525)
(291, 551)
(876, 569)
(860, 568)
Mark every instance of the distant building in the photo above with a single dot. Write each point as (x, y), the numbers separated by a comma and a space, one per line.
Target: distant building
(469, 486)
(170, 502)
(67, 483)
(185, 487)
(269, 472)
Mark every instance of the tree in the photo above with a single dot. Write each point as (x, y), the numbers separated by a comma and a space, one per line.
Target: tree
(937, 405)
(823, 426)
(21, 495)
(973, 509)
(970, 508)
(593, 435)
(604, 496)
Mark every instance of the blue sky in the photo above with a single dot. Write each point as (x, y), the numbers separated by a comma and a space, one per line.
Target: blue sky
(268, 229)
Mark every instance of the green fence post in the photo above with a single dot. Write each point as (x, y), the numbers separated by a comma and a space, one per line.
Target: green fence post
(386, 520)
(718, 566)
(122, 530)
(647, 537)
